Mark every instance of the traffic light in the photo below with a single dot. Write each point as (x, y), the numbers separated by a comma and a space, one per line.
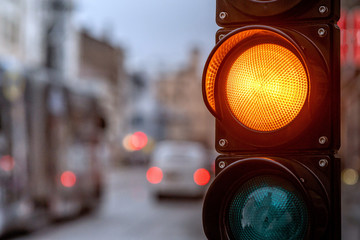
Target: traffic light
(272, 83)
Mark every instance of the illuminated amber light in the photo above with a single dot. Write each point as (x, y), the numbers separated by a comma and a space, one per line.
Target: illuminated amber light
(270, 67)
(266, 87)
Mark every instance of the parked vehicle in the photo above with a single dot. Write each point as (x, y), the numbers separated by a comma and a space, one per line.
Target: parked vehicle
(179, 169)
(50, 134)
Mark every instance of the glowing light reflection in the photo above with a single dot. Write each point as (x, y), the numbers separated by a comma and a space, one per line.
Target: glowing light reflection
(350, 176)
(201, 177)
(154, 175)
(68, 179)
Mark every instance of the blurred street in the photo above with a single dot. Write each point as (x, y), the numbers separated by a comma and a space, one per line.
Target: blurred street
(130, 212)
(104, 108)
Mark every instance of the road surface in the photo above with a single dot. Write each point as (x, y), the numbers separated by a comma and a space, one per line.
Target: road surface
(130, 212)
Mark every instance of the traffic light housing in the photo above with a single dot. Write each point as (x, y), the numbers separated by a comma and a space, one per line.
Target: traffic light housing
(274, 197)
(231, 13)
(302, 113)
(273, 84)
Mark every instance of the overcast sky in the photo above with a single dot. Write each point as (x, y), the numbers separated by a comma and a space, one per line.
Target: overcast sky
(156, 34)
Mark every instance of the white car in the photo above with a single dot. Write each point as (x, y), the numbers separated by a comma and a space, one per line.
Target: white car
(178, 168)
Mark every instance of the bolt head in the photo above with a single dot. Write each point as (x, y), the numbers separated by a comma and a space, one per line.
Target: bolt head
(323, 9)
(223, 142)
(322, 32)
(222, 164)
(323, 162)
(323, 140)
(223, 15)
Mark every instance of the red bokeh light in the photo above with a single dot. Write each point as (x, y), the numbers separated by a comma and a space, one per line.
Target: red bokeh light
(7, 163)
(154, 175)
(68, 179)
(201, 177)
(138, 141)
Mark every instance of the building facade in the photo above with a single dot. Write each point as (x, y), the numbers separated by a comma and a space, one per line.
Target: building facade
(101, 64)
(21, 31)
(184, 113)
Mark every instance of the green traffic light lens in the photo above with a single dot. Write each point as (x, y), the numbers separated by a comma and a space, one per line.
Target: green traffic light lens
(267, 207)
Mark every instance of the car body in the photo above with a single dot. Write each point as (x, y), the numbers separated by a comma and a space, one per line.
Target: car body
(179, 168)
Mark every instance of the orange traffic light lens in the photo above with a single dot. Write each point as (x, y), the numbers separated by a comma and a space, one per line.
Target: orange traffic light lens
(258, 76)
(266, 87)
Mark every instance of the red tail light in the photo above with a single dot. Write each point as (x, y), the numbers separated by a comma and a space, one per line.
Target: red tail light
(138, 141)
(154, 175)
(201, 177)
(7, 163)
(68, 179)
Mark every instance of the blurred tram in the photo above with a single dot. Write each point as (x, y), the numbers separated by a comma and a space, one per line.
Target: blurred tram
(15, 201)
(50, 137)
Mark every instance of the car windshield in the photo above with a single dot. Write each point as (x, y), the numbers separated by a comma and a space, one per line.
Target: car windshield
(179, 153)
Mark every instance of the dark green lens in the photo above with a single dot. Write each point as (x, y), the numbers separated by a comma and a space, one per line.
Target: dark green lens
(267, 207)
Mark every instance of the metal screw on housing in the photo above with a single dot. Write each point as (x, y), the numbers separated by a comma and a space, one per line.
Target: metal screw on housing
(221, 36)
(323, 162)
(323, 9)
(323, 140)
(322, 32)
(223, 142)
(223, 15)
(222, 164)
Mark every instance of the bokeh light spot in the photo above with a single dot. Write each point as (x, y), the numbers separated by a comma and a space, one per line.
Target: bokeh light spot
(350, 176)
(201, 177)
(126, 143)
(154, 175)
(138, 141)
(68, 179)
(7, 163)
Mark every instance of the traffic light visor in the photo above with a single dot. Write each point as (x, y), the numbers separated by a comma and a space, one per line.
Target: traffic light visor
(263, 76)
(264, 8)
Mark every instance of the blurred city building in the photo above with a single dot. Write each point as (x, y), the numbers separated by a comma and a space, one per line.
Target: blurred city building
(39, 34)
(142, 110)
(61, 38)
(22, 31)
(350, 117)
(142, 116)
(185, 116)
(101, 64)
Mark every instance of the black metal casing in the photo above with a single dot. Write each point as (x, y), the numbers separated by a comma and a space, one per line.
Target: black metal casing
(320, 116)
(319, 185)
(231, 13)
